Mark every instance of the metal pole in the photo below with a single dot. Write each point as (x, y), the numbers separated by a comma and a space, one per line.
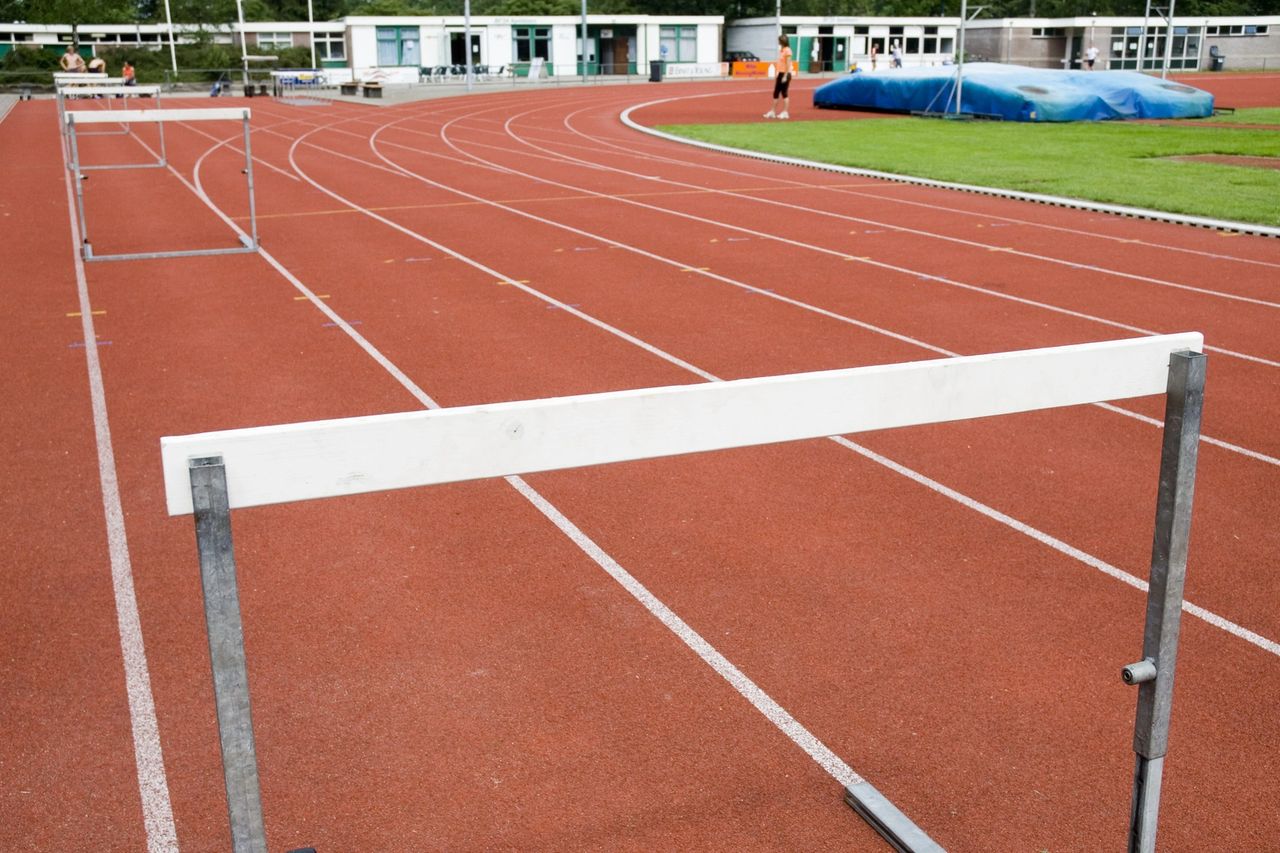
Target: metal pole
(248, 170)
(584, 41)
(466, 35)
(173, 53)
(1168, 41)
(1154, 673)
(226, 652)
(311, 21)
(244, 50)
(86, 248)
(1142, 39)
(964, 8)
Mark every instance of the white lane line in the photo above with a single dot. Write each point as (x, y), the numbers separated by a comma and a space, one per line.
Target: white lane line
(1038, 535)
(774, 712)
(748, 689)
(628, 147)
(1058, 545)
(402, 170)
(902, 229)
(153, 786)
(763, 235)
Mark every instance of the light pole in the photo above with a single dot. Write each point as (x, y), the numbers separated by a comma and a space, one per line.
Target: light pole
(1168, 41)
(173, 53)
(311, 22)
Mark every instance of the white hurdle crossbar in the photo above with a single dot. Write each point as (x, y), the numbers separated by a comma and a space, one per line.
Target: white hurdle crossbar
(209, 474)
(76, 119)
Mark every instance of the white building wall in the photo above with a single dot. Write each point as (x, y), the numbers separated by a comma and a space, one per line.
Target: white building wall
(564, 50)
(364, 48)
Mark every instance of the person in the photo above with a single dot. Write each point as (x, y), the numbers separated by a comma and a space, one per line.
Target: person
(782, 81)
(875, 51)
(1091, 56)
(897, 55)
(71, 61)
(97, 65)
(127, 74)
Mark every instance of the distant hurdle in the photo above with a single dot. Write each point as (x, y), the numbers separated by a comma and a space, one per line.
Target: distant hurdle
(210, 474)
(75, 119)
(109, 93)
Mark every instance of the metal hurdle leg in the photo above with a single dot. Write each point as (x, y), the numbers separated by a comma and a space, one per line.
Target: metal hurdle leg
(226, 652)
(1154, 673)
(86, 248)
(248, 171)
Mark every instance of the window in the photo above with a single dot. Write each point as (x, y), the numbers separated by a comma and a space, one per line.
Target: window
(1047, 32)
(274, 41)
(330, 46)
(398, 46)
(531, 43)
(861, 31)
(912, 46)
(678, 44)
(946, 46)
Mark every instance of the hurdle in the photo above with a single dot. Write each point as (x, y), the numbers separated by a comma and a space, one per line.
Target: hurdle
(63, 78)
(77, 118)
(111, 92)
(209, 474)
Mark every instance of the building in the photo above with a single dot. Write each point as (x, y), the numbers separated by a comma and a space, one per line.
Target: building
(1252, 42)
(836, 44)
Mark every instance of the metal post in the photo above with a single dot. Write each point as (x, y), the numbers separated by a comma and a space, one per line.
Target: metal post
(964, 8)
(248, 170)
(1154, 673)
(244, 42)
(86, 248)
(173, 52)
(584, 41)
(226, 652)
(1142, 39)
(311, 24)
(466, 35)
(1168, 41)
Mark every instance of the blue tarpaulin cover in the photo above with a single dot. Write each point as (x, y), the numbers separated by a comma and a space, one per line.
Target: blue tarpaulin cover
(1017, 93)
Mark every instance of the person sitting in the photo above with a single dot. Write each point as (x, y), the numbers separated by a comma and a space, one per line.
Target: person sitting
(127, 74)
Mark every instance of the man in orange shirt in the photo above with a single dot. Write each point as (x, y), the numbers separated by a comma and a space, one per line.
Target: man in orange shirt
(782, 82)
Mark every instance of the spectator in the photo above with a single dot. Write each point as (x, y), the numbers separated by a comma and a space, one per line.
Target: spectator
(1090, 57)
(875, 51)
(896, 50)
(97, 65)
(71, 61)
(127, 74)
(782, 82)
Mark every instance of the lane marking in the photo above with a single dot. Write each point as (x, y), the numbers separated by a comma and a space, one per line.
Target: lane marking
(153, 786)
(96, 313)
(784, 240)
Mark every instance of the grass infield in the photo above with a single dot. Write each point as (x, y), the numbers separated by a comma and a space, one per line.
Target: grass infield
(1113, 162)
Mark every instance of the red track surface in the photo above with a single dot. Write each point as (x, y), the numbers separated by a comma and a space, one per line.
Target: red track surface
(446, 669)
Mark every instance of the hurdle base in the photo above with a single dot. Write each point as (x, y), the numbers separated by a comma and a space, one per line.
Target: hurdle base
(885, 818)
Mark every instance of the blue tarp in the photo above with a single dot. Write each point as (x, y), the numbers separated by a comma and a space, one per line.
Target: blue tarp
(1017, 93)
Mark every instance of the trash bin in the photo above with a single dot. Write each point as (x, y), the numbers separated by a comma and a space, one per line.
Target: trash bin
(1218, 62)
(248, 90)
(655, 71)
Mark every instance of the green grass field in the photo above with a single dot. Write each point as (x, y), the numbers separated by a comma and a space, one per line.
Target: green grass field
(1113, 162)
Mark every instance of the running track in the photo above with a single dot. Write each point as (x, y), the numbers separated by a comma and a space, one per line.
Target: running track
(946, 609)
